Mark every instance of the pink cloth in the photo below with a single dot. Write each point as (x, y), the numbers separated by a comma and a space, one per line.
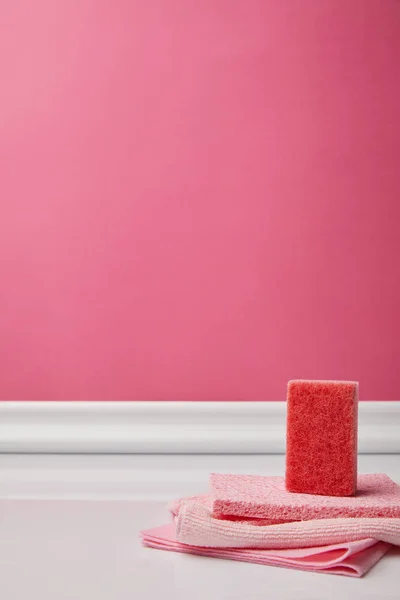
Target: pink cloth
(196, 526)
(353, 559)
(345, 546)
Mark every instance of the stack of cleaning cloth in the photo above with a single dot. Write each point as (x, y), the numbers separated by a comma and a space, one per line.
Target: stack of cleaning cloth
(263, 523)
(320, 517)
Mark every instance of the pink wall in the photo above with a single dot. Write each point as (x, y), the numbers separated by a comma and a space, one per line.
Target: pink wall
(200, 199)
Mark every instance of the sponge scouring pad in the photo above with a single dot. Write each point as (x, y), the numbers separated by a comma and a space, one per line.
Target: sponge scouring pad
(321, 448)
(254, 496)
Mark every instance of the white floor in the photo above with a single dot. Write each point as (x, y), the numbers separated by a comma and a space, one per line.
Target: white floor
(69, 531)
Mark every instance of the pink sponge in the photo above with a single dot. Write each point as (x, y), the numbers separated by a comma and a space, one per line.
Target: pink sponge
(321, 449)
(266, 498)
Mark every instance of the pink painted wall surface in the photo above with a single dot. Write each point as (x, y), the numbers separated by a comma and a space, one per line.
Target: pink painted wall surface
(199, 199)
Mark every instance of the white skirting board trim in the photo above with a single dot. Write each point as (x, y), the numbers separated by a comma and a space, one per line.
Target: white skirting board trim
(172, 427)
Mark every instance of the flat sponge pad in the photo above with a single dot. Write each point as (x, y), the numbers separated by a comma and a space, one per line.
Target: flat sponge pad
(321, 446)
(254, 496)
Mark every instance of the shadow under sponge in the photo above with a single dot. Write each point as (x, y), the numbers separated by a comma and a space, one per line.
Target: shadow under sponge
(321, 447)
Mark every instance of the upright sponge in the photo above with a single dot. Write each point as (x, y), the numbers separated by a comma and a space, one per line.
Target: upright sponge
(321, 448)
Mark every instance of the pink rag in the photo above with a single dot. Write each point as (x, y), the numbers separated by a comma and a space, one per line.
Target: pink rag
(196, 526)
(353, 559)
(347, 546)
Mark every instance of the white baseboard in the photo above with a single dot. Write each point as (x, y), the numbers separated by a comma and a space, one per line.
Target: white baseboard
(172, 427)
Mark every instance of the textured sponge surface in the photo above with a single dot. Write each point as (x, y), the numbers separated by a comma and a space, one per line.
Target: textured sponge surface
(321, 448)
(266, 498)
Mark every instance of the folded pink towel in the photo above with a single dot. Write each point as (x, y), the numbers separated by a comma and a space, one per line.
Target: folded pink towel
(353, 559)
(196, 526)
(345, 546)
